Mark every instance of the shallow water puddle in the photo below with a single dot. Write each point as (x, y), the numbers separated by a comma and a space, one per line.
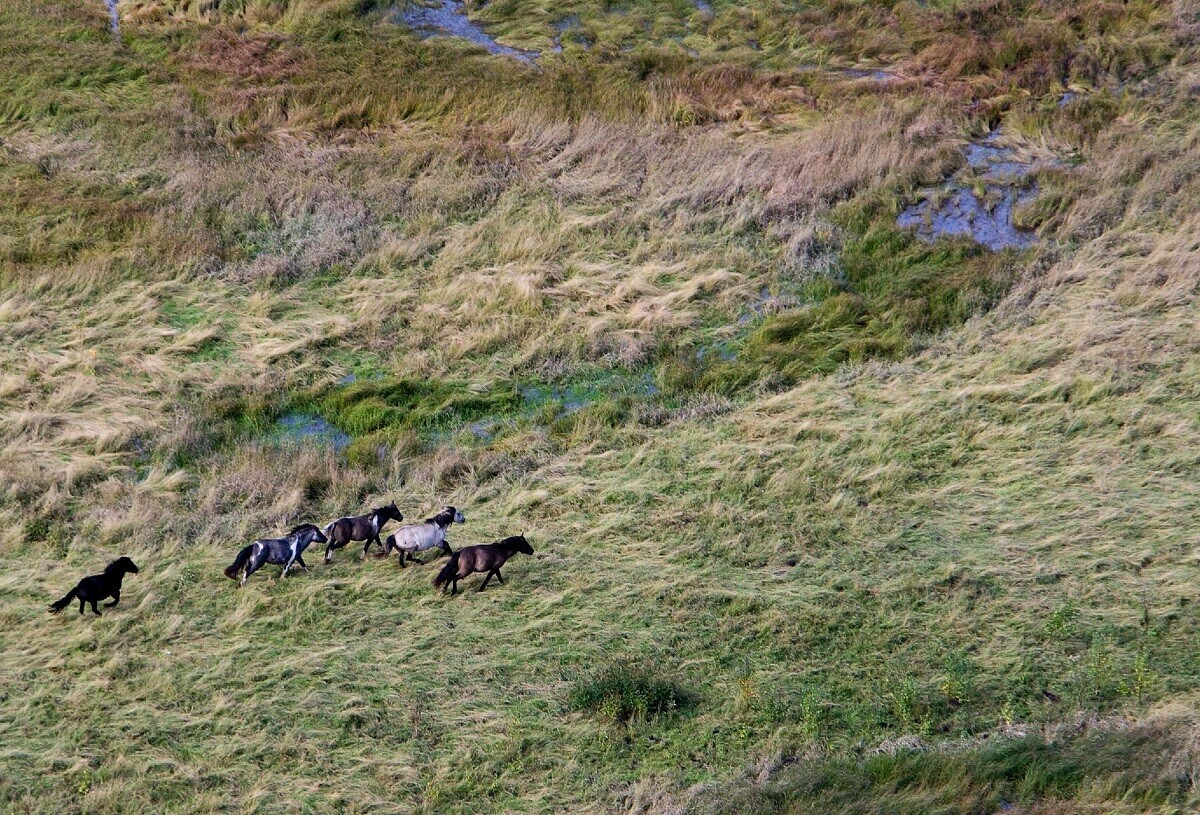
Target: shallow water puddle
(302, 428)
(766, 304)
(876, 74)
(568, 26)
(884, 75)
(114, 22)
(956, 209)
(450, 19)
(574, 397)
(964, 214)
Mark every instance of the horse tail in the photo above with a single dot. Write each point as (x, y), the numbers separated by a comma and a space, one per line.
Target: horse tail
(325, 530)
(63, 603)
(448, 571)
(388, 545)
(239, 562)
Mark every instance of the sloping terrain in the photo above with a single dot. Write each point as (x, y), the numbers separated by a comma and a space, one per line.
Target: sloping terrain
(828, 517)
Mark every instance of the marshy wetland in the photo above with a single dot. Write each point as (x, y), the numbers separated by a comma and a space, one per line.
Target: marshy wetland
(835, 359)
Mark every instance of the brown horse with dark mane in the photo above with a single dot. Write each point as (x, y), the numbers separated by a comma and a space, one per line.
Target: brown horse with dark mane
(488, 557)
(359, 528)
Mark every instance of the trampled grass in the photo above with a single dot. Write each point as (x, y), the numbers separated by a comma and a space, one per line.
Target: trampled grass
(931, 498)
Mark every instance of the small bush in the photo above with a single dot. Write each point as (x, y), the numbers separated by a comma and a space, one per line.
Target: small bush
(624, 692)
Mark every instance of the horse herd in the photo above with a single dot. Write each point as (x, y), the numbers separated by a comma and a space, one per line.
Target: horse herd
(288, 551)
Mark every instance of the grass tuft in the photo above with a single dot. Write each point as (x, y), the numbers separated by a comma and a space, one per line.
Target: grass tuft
(625, 692)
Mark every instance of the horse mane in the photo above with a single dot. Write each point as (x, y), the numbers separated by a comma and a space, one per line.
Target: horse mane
(302, 528)
(441, 513)
(112, 567)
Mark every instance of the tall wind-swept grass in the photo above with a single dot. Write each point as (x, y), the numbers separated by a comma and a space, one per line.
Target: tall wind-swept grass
(800, 486)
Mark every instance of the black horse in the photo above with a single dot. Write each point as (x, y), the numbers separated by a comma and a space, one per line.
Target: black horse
(359, 528)
(281, 551)
(98, 586)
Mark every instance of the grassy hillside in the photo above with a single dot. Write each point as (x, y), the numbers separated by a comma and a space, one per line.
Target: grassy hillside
(826, 518)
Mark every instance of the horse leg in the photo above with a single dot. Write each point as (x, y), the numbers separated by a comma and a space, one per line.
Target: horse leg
(81, 601)
(483, 585)
(367, 546)
(402, 554)
(328, 553)
(250, 569)
(116, 599)
(303, 565)
(454, 587)
(287, 566)
(95, 610)
(499, 576)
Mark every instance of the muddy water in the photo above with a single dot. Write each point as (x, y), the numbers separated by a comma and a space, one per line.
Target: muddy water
(114, 22)
(978, 201)
(450, 19)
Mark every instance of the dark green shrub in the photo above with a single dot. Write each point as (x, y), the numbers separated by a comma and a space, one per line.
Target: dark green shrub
(626, 692)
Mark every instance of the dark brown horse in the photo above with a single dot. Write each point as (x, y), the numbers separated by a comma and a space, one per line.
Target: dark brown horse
(359, 528)
(488, 557)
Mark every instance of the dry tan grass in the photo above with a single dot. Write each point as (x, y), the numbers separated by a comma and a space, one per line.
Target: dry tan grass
(798, 559)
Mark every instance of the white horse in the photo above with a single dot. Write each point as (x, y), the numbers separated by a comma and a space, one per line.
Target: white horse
(409, 540)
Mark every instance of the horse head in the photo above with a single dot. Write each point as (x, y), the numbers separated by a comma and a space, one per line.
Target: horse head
(122, 565)
(315, 535)
(390, 512)
(448, 515)
(518, 544)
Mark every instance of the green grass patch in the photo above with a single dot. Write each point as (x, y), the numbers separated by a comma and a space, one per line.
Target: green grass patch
(1128, 767)
(891, 290)
(183, 317)
(370, 406)
(625, 692)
